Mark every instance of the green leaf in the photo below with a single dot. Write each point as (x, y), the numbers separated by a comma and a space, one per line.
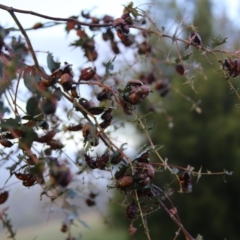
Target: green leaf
(199, 173)
(184, 57)
(32, 107)
(199, 237)
(214, 42)
(109, 66)
(175, 170)
(152, 127)
(31, 79)
(52, 65)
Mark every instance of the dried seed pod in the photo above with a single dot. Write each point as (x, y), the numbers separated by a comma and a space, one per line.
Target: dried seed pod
(144, 158)
(107, 19)
(3, 197)
(30, 181)
(23, 176)
(75, 127)
(55, 144)
(47, 137)
(132, 211)
(90, 133)
(6, 143)
(180, 69)
(48, 106)
(87, 74)
(85, 103)
(105, 124)
(57, 94)
(64, 228)
(105, 94)
(90, 202)
(185, 181)
(195, 38)
(102, 161)
(96, 110)
(107, 115)
(60, 174)
(66, 81)
(232, 67)
(163, 86)
(134, 82)
(74, 92)
(134, 93)
(125, 182)
(116, 157)
(90, 162)
(144, 48)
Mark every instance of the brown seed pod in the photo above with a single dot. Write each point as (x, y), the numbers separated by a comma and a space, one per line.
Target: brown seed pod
(180, 69)
(96, 110)
(107, 115)
(102, 161)
(64, 228)
(90, 133)
(134, 93)
(30, 181)
(3, 197)
(90, 162)
(132, 211)
(48, 106)
(87, 74)
(185, 181)
(6, 143)
(74, 92)
(125, 182)
(66, 81)
(23, 176)
(47, 137)
(107, 19)
(75, 128)
(60, 174)
(195, 38)
(105, 94)
(232, 67)
(143, 158)
(163, 86)
(105, 124)
(90, 202)
(116, 157)
(55, 144)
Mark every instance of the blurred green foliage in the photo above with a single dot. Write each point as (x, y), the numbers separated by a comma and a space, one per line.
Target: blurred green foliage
(209, 140)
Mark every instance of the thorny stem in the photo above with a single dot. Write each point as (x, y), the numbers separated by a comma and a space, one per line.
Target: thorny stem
(189, 237)
(53, 18)
(6, 223)
(144, 222)
(11, 11)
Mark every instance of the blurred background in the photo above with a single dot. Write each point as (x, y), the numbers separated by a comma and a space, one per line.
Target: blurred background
(209, 140)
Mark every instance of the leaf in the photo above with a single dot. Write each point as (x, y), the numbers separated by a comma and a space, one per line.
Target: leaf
(109, 66)
(199, 237)
(72, 194)
(52, 65)
(32, 107)
(199, 173)
(175, 170)
(214, 42)
(184, 57)
(83, 223)
(31, 79)
(152, 127)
